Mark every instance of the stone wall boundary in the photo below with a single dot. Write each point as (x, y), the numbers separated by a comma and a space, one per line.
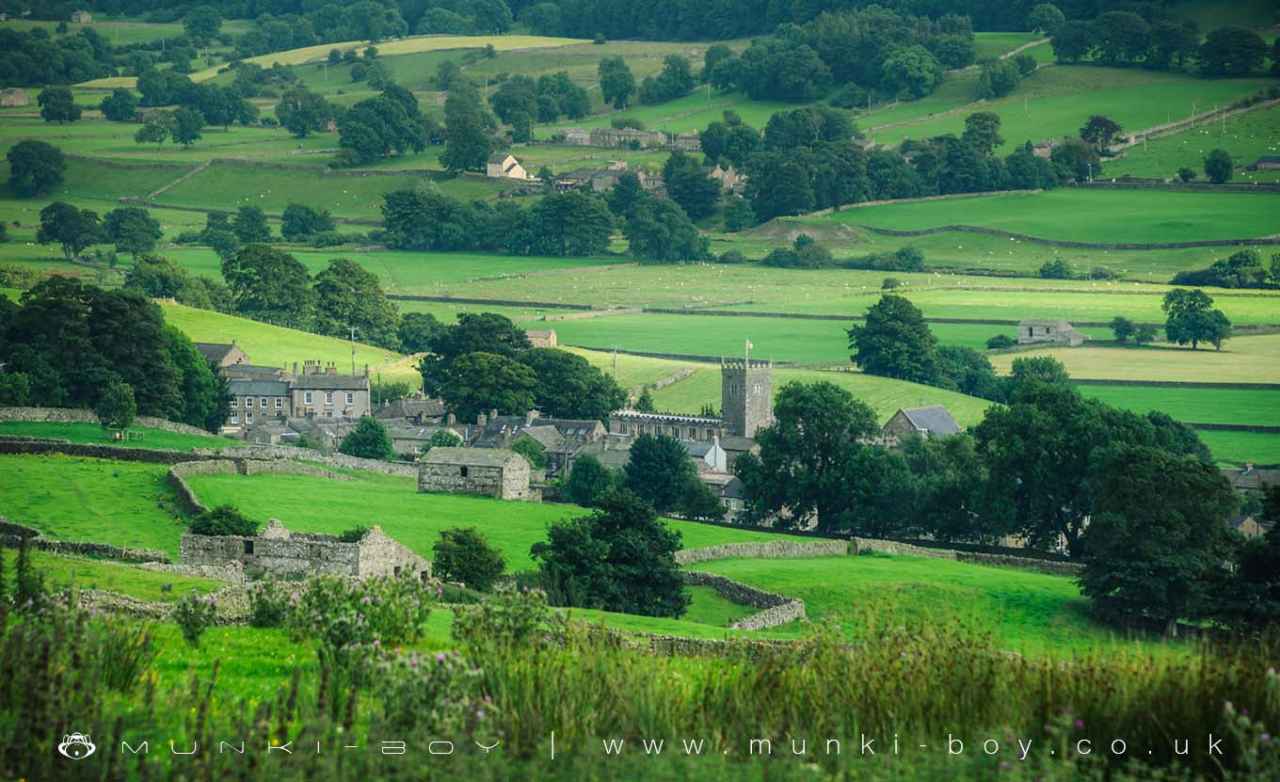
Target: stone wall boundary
(774, 549)
(190, 502)
(285, 452)
(75, 415)
(13, 535)
(231, 605)
(775, 609)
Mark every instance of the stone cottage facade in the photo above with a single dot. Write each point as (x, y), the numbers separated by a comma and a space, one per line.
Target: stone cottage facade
(262, 395)
(503, 165)
(13, 97)
(488, 472)
(222, 354)
(1049, 332)
(278, 552)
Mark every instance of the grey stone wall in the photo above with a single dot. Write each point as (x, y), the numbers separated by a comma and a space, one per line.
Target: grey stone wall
(1024, 563)
(339, 460)
(231, 605)
(894, 548)
(12, 535)
(69, 415)
(776, 609)
(36, 445)
(178, 474)
(774, 549)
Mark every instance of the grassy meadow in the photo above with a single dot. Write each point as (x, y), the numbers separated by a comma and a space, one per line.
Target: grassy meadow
(1196, 405)
(1056, 101)
(1241, 360)
(64, 572)
(93, 434)
(1239, 448)
(269, 345)
(1246, 137)
(1105, 216)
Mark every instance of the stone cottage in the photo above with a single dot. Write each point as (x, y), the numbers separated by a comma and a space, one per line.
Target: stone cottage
(542, 338)
(280, 553)
(81, 17)
(1049, 332)
(927, 422)
(489, 472)
(222, 354)
(503, 165)
(13, 97)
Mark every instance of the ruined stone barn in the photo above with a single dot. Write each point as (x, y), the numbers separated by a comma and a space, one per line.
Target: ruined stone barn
(280, 553)
(488, 472)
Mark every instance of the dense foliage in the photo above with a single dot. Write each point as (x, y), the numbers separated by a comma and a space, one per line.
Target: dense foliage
(72, 341)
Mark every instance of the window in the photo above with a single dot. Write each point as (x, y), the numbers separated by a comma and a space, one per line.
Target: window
(234, 403)
(462, 471)
(351, 398)
(328, 397)
(248, 547)
(233, 419)
(248, 418)
(262, 403)
(306, 397)
(279, 403)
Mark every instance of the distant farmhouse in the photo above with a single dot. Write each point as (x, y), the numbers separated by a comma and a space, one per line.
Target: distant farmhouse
(1251, 481)
(1265, 163)
(542, 339)
(280, 553)
(488, 472)
(81, 17)
(931, 422)
(13, 97)
(503, 165)
(1049, 332)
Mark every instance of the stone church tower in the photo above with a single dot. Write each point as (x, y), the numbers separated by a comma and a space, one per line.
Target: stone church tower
(746, 395)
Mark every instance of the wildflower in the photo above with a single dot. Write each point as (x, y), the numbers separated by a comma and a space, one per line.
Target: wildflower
(1265, 737)
(439, 657)
(1079, 724)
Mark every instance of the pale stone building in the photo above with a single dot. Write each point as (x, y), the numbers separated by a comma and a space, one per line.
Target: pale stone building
(278, 552)
(13, 97)
(489, 472)
(221, 354)
(1050, 332)
(503, 165)
(542, 338)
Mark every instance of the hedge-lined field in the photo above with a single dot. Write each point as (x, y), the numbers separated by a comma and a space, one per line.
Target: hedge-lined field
(1083, 215)
(1055, 102)
(1198, 405)
(1242, 360)
(1247, 137)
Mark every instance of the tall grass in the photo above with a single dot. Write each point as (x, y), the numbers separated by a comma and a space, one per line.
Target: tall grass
(530, 673)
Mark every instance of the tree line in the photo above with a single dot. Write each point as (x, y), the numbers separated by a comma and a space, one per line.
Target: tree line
(67, 344)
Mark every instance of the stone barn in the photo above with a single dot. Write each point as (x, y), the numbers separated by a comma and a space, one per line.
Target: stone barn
(280, 553)
(490, 472)
(1049, 332)
(927, 422)
(13, 97)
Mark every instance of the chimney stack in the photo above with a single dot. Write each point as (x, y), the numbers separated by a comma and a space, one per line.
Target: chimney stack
(481, 420)
(493, 414)
(529, 417)
(450, 420)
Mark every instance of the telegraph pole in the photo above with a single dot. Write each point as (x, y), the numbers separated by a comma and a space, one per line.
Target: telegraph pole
(353, 351)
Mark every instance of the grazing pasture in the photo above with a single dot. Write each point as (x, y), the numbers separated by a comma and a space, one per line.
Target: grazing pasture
(1247, 137)
(1056, 101)
(1241, 360)
(93, 434)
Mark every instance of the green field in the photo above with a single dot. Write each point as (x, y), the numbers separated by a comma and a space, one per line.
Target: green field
(1023, 611)
(116, 32)
(1194, 405)
(145, 437)
(64, 572)
(269, 345)
(1246, 136)
(320, 505)
(1243, 447)
(1055, 102)
(1242, 360)
(70, 498)
(989, 45)
(1109, 216)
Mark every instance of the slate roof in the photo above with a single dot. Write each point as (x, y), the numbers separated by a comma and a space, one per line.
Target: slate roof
(934, 419)
(1252, 478)
(214, 351)
(472, 457)
(251, 371)
(411, 408)
(248, 387)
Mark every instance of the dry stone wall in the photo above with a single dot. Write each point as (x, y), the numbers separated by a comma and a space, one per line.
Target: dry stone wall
(776, 609)
(774, 549)
(12, 535)
(35, 445)
(284, 452)
(71, 415)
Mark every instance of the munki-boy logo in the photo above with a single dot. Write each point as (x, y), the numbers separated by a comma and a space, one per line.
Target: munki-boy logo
(76, 746)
